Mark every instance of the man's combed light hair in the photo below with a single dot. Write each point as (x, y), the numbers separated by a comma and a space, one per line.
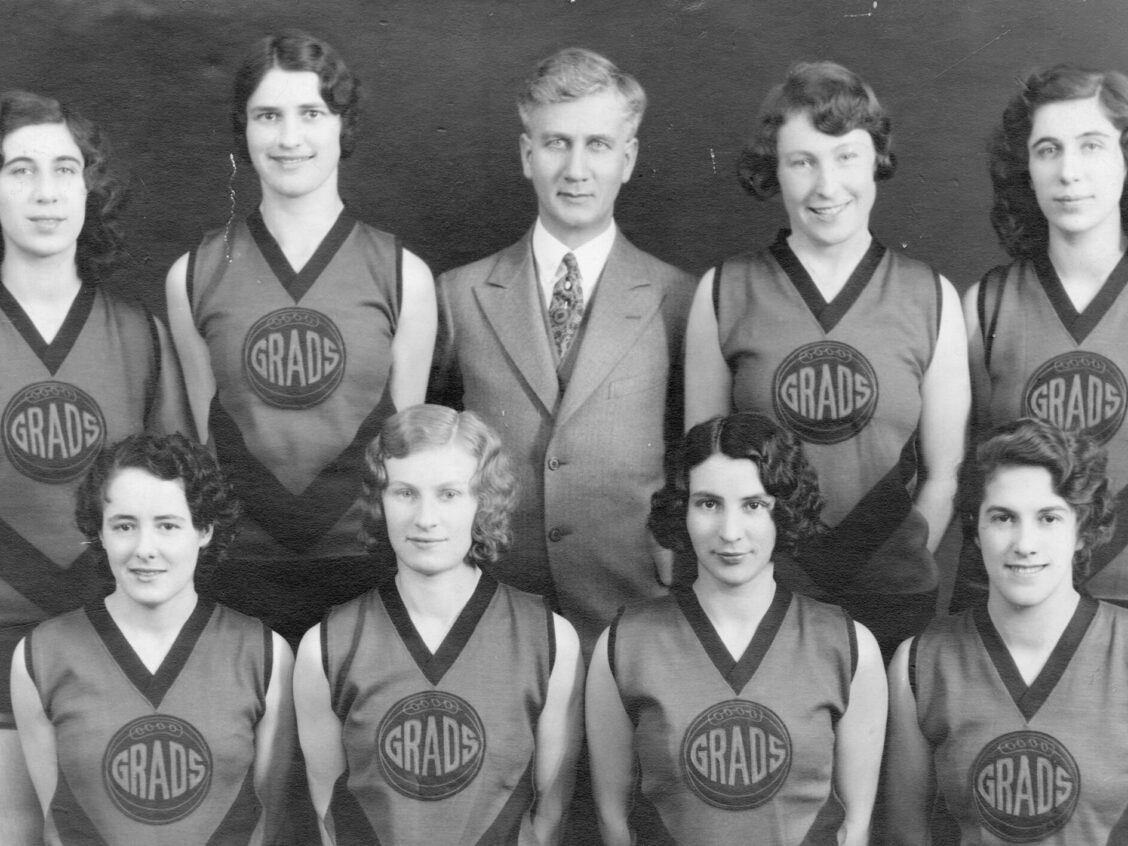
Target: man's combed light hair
(575, 72)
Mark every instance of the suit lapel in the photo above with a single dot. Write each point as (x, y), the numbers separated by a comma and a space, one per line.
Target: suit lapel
(510, 300)
(623, 305)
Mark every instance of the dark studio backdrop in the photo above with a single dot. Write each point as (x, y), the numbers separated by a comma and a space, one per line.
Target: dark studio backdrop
(437, 159)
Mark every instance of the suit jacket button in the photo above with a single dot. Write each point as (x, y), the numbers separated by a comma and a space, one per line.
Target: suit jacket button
(554, 464)
(555, 535)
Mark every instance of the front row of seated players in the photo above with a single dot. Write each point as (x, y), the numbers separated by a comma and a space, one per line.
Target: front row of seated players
(443, 707)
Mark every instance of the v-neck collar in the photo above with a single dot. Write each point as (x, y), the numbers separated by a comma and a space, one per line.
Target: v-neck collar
(736, 673)
(298, 282)
(55, 353)
(434, 666)
(1080, 324)
(827, 314)
(1029, 699)
(153, 686)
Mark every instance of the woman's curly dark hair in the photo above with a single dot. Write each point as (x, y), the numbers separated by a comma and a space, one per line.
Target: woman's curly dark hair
(1015, 214)
(211, 500)
(836, 100)
(1076, 464)
(100, 243)
(297, 51)
(784, 472)
(424, 426)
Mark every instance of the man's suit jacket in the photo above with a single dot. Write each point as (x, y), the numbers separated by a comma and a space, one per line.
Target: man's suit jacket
(589, 459)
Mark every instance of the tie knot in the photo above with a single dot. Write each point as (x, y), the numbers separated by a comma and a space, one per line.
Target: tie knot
(568, 275)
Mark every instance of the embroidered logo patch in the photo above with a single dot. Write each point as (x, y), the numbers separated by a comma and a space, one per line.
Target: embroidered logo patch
(825, 392)
(431, 745)
(53, 431)
(736, 755)
(294, 358)
(157, 769)
(1025, 786)
(1078, 390)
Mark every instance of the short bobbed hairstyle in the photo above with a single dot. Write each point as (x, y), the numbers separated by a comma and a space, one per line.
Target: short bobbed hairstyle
(576, 72)
(835, 99)
(427, 426)
(1075, 462)
(211, 501)
(100, 243)
(297, 51)
(1015, 214)
(778, 457)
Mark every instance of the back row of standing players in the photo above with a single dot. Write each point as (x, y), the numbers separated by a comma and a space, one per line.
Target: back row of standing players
(299, 331)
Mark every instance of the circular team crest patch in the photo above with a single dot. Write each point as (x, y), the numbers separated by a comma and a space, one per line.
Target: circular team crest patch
(1078, 390)
(736, 755)
(157, 769)
(1025, 786)
(825, 392)
(294, 358)
(53, 431)
(431, 745)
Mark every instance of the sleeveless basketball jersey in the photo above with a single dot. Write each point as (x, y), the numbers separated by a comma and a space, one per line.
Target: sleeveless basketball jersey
(162, 759)
(301, 363)
(439, 748)
(734, 751)
(108, 373)
(1050, 362)
(845, 377)
(1042, 764)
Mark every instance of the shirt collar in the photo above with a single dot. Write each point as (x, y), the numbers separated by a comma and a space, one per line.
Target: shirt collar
(548, 252)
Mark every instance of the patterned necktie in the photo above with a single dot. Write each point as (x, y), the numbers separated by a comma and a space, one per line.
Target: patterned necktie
(566, 309)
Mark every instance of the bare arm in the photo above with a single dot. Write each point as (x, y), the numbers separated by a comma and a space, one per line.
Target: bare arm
(274, 742)
(946, 402)
(708, 380)
(559, 734)
(610, 749)
(909, 776)
(319, 730)
(36, 732)
(415, 334)
(191, 349)
(858, 742)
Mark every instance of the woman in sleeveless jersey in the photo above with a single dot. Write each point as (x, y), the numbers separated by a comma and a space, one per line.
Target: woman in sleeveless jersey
(442, 707)
(155, 715)
(1008, 714)
(1046, 332)
(301, 329)
(857, 349)
(82, 367)
(754, 715)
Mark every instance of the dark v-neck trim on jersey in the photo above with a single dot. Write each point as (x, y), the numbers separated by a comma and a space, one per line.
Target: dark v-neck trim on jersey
(298, 282)
(827, 314)
(736, 672)
(153, 686)
(1080, 324)
(434, 666)
(1029, 699)
(55, 353)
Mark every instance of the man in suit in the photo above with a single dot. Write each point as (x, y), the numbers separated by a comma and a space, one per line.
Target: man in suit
(569, 342)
